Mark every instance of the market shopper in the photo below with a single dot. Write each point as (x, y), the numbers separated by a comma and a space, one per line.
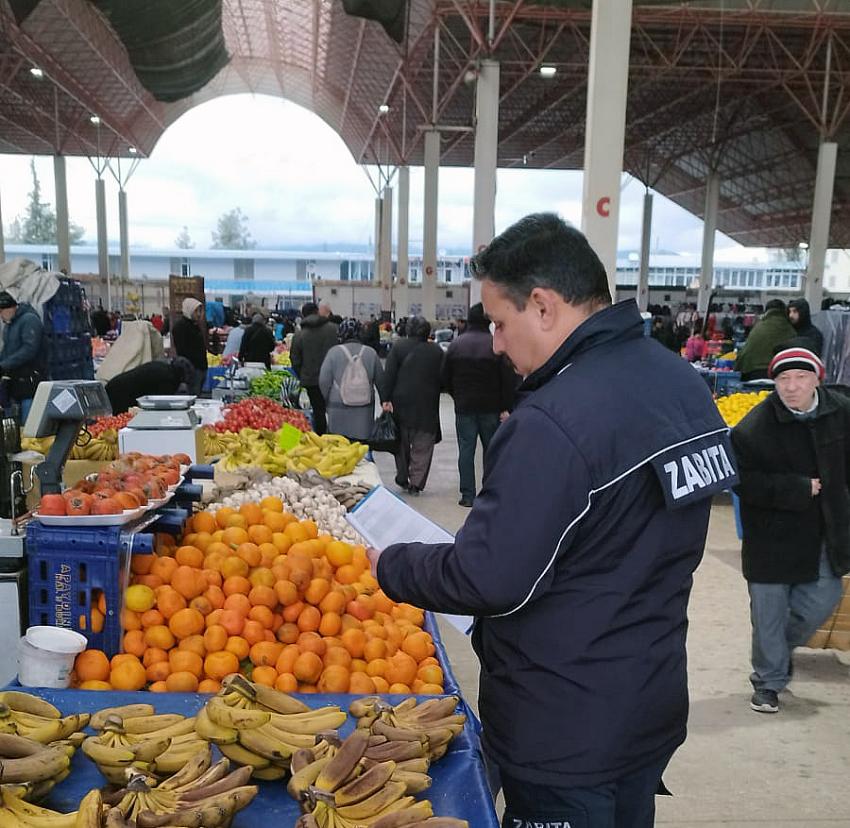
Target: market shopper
(234, 338)
(482, 384)
(792, 453)
(22, 358)
(412, 393)
(348, 378)
(772, 330)
(161, 376)
(257, 342)
(187, 340)
(800, 316)
(310, 346)
(577, 557)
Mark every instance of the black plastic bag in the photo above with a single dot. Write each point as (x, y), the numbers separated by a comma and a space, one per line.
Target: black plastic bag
(384, 435)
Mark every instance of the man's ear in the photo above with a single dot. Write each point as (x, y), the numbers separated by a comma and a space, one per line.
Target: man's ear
(543, 302)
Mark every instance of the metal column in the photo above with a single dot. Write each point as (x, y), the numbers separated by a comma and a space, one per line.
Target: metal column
(124, 241)
(429, 225)
(821, 214)
(486, 147)
(63, 232)
(376, 265)
(645, 241)
(400, 293)
(102, 249)
(2, 239)
(387, 250)
(709, 228)
(607, 83)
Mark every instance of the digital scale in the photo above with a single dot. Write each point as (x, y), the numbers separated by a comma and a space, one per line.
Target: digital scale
(165, 425)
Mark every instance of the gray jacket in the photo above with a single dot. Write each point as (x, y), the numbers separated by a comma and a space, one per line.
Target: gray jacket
(351, 421)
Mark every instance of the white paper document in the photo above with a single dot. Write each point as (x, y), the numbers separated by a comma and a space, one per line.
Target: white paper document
(383, 519)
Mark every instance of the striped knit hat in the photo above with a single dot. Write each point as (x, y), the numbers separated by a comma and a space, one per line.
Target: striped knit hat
(801, 359)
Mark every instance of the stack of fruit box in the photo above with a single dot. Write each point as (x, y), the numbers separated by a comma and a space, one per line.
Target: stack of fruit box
(67, 333)
(834, 634)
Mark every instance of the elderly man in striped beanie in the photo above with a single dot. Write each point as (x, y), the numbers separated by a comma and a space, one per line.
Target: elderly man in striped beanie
(793, 452)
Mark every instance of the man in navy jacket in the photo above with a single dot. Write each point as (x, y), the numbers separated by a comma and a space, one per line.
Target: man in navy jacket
(578, 554)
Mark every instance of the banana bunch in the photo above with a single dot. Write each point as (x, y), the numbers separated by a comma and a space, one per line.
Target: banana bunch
(407, 817)
(340, 792)
(256, 734)
(41, 766)
(433, 723)
(200, 795)
(29, 716)
(331, 455)
(101, 448)
(15, 812)
(40, 444)
(133, 736)
(220, 442)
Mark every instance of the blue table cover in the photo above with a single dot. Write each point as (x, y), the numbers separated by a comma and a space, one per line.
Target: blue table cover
(459, 782)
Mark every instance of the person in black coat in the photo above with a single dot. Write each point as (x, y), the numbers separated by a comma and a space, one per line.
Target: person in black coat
(412, 387)
(482, 384)
(161, 376)
(187, 340)
(793, 455)
(257, 342)
(800, 316)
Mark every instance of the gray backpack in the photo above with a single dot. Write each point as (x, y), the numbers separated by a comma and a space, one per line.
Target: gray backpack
(355, 387)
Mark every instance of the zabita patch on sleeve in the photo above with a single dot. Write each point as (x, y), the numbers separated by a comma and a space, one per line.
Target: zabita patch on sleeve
(696, 469)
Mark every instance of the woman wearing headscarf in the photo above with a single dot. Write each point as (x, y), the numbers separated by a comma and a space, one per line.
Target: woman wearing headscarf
(257, 343)
(349, 375)
(187, 340)
(412, 386)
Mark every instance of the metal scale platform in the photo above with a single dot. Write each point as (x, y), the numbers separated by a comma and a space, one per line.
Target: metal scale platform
(165, 425)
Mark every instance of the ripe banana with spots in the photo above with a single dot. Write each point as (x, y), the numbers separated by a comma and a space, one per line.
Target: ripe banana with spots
(29, 716)
(433, 722)
(16, 813)
(200, 795)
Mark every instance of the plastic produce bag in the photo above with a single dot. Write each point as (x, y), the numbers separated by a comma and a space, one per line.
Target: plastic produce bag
(384, 435)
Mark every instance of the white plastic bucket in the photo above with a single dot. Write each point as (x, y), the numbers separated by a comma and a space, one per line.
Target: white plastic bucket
(46, 656)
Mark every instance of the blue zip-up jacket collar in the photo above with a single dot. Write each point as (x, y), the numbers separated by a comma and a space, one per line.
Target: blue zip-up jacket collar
(577, 557)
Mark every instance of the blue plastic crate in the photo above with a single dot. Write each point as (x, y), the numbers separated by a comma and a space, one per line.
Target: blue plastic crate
(69, 568)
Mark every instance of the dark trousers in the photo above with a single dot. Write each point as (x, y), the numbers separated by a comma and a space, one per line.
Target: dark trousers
(317, 403)
(413, 458)
(197, 385)
(469, 428)
(628, 802)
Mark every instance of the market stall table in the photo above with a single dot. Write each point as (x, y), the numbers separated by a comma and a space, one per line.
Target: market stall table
(459, 782)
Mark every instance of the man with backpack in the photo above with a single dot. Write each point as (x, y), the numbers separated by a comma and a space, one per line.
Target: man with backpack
(349, 375)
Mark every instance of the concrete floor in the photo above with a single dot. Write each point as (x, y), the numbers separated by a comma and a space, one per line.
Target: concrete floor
(737, 768)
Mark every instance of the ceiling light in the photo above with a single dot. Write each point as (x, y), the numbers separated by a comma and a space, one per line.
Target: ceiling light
(95, 119)
(36, 72)
(132, 150)
(384, 108)
(548, 71)
(803, 245)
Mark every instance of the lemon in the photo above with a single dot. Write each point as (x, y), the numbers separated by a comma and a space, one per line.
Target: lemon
(139, 598)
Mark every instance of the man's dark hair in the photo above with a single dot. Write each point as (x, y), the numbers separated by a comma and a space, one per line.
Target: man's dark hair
(775, 304)
(309, 309)
(542, 250)
(418, 328)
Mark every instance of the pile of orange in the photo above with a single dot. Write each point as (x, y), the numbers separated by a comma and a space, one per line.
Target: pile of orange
(259, 592)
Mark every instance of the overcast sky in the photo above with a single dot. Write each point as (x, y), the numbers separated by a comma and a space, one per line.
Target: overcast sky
(299, 186)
